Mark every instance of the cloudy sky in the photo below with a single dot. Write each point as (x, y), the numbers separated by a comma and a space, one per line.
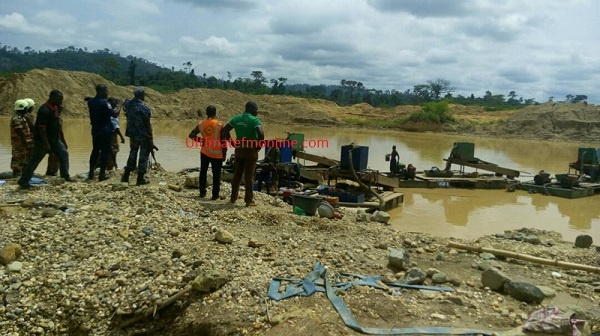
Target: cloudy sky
(537, 48)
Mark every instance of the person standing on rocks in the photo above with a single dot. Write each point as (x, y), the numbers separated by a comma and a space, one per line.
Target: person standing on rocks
(212, 152)
(102, 130)
(139, 131)
(249, 140)
(29, 115)
(48, 138)
(53, 162)
(116, 135)
(21, 138)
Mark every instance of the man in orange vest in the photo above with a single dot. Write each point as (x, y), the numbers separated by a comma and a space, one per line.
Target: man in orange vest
(212, 152)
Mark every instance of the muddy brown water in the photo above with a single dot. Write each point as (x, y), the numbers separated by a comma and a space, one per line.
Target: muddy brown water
(446, 212)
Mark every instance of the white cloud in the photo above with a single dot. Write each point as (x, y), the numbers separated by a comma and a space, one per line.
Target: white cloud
(17, 23)
(143, 6)
(49, 18)
(533, 47)
(213, 45)
(136, 37)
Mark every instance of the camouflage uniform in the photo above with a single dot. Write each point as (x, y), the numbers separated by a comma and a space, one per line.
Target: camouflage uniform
(20, 150)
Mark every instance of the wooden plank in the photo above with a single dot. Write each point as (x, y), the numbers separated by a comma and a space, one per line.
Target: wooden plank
(379, 179)
(317, 159)
(487, 166)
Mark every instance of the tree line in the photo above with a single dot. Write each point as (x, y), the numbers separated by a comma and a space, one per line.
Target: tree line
(131, 70)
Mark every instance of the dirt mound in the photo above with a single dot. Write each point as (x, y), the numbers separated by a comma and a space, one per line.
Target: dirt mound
(553, 121)
(185, 104)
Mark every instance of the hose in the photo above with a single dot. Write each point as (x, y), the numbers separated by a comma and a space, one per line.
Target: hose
(362, 185)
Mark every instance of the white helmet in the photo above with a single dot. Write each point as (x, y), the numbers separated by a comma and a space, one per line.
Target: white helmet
(30, 102)
(21, 105)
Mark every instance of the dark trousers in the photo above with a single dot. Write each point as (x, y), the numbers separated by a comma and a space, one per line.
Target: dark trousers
(142, 145)
(53, 165)
(245, 163)
(101, 146)
(38, 155)
(216, 165)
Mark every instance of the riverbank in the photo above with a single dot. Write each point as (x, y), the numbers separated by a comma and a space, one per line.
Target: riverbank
(548, 121)
(93, 255)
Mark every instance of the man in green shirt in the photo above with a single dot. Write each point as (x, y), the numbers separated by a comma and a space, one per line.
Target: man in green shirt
(249, 140)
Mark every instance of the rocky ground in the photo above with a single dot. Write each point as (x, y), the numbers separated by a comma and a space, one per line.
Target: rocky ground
(85, 258)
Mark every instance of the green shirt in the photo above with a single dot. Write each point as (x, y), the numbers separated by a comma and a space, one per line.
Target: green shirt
(245, 126)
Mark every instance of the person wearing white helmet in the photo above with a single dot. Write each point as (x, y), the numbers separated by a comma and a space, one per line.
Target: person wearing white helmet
(28, 115)
(21, 138)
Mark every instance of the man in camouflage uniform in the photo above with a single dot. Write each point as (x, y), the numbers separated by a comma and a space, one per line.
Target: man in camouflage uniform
(21, 138)
(139, 131)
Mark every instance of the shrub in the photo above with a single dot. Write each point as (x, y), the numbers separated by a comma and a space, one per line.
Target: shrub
(437, 112)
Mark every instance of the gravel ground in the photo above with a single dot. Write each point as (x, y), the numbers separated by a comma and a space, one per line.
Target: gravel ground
(93, 255)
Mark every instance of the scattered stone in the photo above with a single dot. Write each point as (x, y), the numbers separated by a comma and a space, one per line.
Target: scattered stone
(192, 180)
(47, 213)
(382, 245)
(487, 256)
(455, 281)
(362, 216)
(224, 236)
(388, 278)
(487, 264)
(381, 217)
(583, 241)
(431, 271)
(414, 277)
(437, 316)
(524, 291)
(147, 230)
(399, 259)
(9, 253)
(210, 281)
(439, 278)
(256, 243)
(15, 266)
(177, 253)
(494, 279)
(440, 256)
(123, 232)
(119, 186)
(548, 291)
(532, 239)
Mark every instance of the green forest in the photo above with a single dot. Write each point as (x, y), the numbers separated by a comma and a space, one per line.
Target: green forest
(131, 70)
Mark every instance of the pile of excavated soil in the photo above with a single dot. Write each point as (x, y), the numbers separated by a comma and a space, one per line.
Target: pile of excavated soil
(551, 121)
(184, 104)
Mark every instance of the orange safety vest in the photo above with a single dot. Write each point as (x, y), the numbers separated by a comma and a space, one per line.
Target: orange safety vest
(211, 132)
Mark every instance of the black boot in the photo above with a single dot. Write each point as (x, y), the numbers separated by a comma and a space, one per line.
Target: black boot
(141, 180)
(125, 177)
(91, 175)
(103, 175)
